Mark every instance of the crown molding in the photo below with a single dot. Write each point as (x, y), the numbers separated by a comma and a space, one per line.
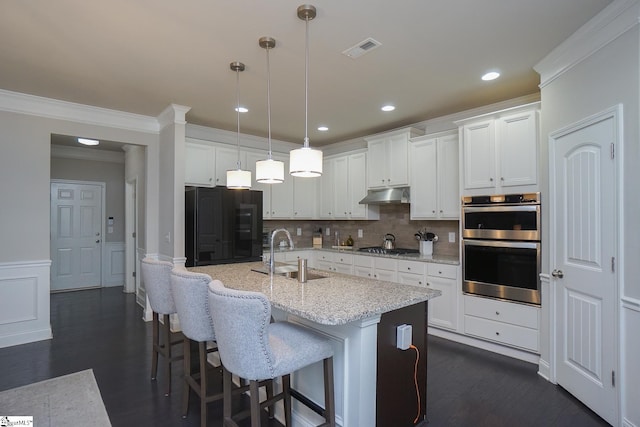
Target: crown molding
(613, 21)
(204, 133)
(173, 114)
(79, 153)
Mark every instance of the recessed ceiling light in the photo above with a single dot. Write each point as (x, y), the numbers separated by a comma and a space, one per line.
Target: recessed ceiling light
(241, 109)
(492, 75)
(323, 128)
(86, 141)
(388, 108)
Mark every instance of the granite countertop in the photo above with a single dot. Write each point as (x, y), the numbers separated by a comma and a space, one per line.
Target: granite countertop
(435, 258)
(336, 299)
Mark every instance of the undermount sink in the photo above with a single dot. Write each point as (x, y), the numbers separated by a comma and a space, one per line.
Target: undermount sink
(289, 271)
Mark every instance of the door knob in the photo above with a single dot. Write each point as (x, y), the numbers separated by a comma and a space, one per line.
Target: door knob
(98, 241)
(557, 273)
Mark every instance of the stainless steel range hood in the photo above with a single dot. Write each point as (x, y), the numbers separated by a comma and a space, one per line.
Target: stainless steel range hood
(386, 196)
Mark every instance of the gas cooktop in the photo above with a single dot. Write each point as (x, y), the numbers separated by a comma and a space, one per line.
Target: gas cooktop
(383, 251)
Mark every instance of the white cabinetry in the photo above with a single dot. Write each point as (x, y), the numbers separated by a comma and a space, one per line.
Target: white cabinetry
(443, 311)
(435, 192)
(277, 199)
(385, 269)
(342, 186)
(500, 151)
(206, 165)
(338, 262)
(412, 273)
(388, 164)
(503, 322)
(305, 197)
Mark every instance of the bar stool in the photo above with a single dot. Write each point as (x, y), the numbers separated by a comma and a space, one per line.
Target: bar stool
(156, 277)
(254, 349)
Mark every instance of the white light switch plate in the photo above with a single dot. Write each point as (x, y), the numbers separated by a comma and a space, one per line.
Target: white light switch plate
(327, 231)
(360, 235)
(299, 231)
(452, 237)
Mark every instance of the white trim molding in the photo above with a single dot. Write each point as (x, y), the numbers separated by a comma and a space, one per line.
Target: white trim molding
(24, 302)
(79, 153)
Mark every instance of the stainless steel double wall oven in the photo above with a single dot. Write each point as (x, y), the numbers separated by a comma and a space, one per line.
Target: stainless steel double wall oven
(501, 247)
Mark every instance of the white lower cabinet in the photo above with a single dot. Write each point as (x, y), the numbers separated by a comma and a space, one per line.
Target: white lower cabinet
(411, 273)
(385, 269)
(363, 266)
(504, 322)
(443, 311)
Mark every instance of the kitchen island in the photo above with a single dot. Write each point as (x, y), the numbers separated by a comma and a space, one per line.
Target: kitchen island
(374, 381)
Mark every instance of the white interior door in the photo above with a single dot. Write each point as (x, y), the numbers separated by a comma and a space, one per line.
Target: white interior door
(76, 235)
(583, 239)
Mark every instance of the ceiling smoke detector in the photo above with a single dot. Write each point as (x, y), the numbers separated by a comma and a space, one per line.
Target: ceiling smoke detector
(361, 48)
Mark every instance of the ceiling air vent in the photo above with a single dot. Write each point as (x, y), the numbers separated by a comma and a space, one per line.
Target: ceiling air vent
(361, 48)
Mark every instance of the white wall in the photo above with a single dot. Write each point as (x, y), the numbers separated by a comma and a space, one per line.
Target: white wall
(598, 68)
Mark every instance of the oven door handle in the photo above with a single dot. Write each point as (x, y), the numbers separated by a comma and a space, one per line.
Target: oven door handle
(501, 244)
(510, 208)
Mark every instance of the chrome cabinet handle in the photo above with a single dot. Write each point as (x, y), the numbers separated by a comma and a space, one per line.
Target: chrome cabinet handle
(557, 273)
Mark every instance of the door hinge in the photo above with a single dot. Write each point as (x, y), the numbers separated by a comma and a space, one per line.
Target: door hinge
(133, 274)
(613, 378)
(133, 234)
(613, 264)
(613, 150)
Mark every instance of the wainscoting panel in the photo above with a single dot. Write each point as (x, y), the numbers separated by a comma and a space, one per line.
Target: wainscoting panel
(24, 302)
(630, 374)
(113, 265)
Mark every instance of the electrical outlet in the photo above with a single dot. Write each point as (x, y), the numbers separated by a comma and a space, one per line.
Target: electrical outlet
(360, 235)
(299, 231)
(452, 237)
(327, 231)
(403, 337)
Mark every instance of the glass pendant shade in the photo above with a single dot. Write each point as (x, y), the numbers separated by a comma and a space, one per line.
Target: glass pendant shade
(305, 162)
(270, 171)
(239, 179)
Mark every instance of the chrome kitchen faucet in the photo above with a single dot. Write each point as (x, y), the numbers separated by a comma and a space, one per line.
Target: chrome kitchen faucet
(272, 263)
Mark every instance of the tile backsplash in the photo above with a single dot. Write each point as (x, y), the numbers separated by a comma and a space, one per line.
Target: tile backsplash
(394, 219)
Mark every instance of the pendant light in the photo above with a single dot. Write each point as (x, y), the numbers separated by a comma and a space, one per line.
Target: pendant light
(269, 171)
(238, 179)
(306, 162)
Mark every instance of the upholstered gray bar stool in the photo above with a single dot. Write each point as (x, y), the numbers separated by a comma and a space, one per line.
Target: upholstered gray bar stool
(190, 296)
(156, 276)
(254, 349)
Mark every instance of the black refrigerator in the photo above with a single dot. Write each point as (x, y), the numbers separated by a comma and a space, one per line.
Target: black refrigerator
(222, 226)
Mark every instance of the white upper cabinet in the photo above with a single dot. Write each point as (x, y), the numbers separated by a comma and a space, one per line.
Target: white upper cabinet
(277, 199)
(388, 163)
(500, 151)
(342, 186)
(434, 182)
(305, 198)
(207, 165)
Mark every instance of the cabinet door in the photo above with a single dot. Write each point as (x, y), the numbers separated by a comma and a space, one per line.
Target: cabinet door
(423, 179)
(252, 158)
(363, 271)
(479, 155)
(448, 178)
(357, 185)
(327, 190)
(411, 279)
(199, 165)
(387, 275)
(282, 194)
(377, 165)
(341, 185)
(517, 141)
(304, 197)
(443, 310)
(227, 159)
(398, 158)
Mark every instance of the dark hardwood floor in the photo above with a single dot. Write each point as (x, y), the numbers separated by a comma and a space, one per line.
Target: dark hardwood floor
(102, 330)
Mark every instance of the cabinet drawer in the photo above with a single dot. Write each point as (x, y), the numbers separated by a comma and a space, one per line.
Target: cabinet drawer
(411, 279)
(385, 264)
(343, 258)
(363, 261)
(515, 314)
(324, 256)
(413, 267)
(504, 333)
(442, 270)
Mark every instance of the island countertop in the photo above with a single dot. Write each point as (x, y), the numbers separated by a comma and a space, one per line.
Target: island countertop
(335, 299)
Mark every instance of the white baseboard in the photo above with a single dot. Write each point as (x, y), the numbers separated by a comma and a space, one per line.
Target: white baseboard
(24, 302)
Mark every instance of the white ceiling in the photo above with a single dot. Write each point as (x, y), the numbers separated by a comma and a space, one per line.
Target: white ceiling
(140, 56)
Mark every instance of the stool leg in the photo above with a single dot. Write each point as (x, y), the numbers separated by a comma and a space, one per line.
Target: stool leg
(286, 390)
(254, 390)
(167, 353)
(202, 349)
(186, 388)
(329, 400)
(154, 347)
(271, 409)
(227, 396)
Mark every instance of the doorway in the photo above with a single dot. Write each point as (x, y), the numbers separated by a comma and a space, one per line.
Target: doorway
(77, 212)
(584, 250)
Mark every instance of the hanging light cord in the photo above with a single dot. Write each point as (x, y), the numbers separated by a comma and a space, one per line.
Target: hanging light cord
(269, 100)
(306, 83)
(238, 114)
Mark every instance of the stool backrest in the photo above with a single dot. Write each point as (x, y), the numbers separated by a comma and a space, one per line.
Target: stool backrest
(192, 304)
(156, 276)
(241, 320)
